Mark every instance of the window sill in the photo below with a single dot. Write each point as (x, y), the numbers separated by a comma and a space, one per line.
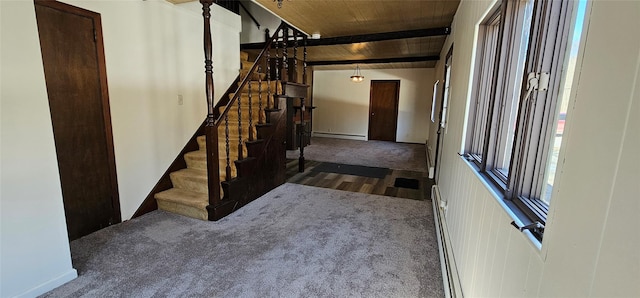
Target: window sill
(511, 210)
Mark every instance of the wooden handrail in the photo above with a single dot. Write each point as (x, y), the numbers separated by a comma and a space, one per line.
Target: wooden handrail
(215, 117)
(248, 77)
(267, 46)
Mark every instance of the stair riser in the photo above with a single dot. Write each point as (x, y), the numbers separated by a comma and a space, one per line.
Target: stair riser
(183, 210)
(233, 112)
(244, 56)
(198, 162)
(195, 184)
(263, 87)
(255, 95)
(254, 76)
(202, 142)
(247, 65)
(189, 195)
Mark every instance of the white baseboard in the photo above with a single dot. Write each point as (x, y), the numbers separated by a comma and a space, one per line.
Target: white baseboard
(338, 136)
(429, 161)
(450, 278)
(50, 284)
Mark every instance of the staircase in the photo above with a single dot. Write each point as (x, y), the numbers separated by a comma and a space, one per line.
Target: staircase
(248, 125)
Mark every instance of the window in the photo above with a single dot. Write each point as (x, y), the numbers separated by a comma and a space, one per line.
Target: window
(487, 54)
(522, 77)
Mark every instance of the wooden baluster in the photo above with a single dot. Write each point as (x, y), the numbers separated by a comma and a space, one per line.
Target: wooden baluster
(208, 60)
(260, 110)
(250, 127)
(284, 76)
(301, 136)
(304, 60)
(226, 146)
(303, 130)
(277, 65)
(239, 99)
(268, 68)
(211, 130)
(295, 56)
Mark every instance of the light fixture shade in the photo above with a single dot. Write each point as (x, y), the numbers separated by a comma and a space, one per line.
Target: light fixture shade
(357, 77)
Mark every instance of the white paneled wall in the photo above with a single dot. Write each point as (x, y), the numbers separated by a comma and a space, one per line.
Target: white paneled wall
(591, 241)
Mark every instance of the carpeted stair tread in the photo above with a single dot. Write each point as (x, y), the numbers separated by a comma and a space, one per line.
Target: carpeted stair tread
(202, 142)
(255, 108)
(184, 202)
(247, 64)
(244, 56)
(254, 76)
(261, 86)
(196, 159)
(189, 195)
(190, 179)
(244, 96)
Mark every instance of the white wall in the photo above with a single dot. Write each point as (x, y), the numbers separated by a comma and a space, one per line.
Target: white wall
(33, 241)
(591, 241)
(250, 32)
(153, 53)
(343, 106)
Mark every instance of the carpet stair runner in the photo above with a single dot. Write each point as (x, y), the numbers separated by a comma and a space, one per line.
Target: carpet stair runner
(189, 195)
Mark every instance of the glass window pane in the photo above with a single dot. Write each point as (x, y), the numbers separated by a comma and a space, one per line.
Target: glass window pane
(563, 103)
(508, 111)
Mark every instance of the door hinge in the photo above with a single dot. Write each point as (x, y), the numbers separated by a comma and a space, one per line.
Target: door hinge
(95, 35)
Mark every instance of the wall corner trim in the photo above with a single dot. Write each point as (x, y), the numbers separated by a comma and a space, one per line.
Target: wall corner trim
(51, 284)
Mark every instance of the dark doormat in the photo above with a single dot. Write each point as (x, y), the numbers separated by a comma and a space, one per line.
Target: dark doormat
(407, 183)
(371, 172)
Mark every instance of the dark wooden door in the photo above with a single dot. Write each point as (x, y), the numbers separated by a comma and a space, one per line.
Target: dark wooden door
(383, 110)
(73, 58)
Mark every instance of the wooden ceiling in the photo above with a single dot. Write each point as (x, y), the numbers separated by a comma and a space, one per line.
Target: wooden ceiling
(336, 18)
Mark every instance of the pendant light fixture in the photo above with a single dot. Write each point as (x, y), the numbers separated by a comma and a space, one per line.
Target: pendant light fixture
(357, 77)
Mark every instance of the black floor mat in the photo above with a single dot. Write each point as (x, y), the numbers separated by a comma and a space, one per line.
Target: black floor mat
(363, 171)
(407, 183)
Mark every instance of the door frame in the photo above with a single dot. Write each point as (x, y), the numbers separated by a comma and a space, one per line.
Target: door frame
(104, 93)
(396, 107)
(442, 115)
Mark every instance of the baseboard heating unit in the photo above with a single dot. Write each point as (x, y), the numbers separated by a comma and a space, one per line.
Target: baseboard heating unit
(451, 281)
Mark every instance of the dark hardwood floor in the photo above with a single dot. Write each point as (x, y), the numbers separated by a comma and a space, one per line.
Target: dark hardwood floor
(384, 186)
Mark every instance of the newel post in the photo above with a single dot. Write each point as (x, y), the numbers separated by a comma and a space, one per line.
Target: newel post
(211, 130)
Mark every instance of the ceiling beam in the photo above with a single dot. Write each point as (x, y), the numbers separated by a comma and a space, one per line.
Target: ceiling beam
(379, 60)
(330, 41)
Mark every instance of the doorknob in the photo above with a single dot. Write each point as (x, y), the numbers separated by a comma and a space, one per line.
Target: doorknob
(373, 114)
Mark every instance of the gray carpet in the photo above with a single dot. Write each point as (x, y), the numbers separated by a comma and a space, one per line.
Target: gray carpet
(401, 156)
(296, 241)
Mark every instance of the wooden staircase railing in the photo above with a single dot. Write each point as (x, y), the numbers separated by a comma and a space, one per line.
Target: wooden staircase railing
(246, 177)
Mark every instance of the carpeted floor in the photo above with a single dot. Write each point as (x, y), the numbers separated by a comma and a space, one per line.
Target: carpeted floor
(296, 241)
(401, 156)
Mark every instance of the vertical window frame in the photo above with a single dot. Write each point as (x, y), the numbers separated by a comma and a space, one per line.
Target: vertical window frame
(547, 49)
